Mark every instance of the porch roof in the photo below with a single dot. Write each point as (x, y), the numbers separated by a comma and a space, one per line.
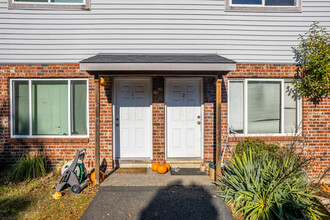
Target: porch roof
(157, 62)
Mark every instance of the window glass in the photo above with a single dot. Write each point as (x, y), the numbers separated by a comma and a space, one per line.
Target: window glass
(49, 107)
(21, 106)
(236, 106)
(280, 2)
(78, 107)
(254, 2)
(264, 107)
(67, 1)
(31, 1)
(290, 109)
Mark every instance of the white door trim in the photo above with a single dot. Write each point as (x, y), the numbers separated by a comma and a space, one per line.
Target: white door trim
(201, 80)
(113, 88)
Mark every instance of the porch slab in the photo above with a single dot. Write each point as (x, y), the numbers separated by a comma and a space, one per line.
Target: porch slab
(156, 196)
(152, 178)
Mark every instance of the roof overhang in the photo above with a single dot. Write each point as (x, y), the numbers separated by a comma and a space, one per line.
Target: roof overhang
(157, 62)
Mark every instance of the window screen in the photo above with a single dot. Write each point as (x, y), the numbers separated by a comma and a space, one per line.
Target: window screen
(78, 107)
(280, 2)
(49, 107)
(51, 1)
(21, 106)
(264, 107)
(254, 2)
(236, 104)
(290, 109)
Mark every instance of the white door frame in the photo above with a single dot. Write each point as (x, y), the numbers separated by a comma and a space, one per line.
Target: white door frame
(201, 80)
(114, 87)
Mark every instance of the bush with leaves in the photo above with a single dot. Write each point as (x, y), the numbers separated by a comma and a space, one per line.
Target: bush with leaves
(28, 167)
(313, 64)
(267, 182)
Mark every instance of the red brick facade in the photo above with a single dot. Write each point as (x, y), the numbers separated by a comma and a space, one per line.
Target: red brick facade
(316, 124)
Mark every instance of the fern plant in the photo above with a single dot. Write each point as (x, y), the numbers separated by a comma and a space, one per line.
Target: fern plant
(28, 167)
(261, 186)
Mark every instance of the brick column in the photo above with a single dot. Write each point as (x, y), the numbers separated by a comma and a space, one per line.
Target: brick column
(106, 148)
(209, 119)
(158, 120)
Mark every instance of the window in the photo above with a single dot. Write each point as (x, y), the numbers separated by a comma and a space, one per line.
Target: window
(49, 4)
(263, 106)
(264, 5)
(42, 107)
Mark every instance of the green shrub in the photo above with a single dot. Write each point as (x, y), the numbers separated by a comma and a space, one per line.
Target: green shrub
(257, 146)
(266, 182)
(28, 167)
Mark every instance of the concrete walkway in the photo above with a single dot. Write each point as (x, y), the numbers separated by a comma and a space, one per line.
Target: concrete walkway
(156, 196)
(152, 178)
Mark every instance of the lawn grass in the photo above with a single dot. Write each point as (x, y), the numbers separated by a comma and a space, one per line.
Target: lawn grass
(33, 199)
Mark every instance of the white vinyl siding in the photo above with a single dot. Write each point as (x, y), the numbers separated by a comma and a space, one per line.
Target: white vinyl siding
(263, 106)
(47, 108)
(154, 26)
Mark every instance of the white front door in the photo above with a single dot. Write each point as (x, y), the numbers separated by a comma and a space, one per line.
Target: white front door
(133, 118)
(184, 117)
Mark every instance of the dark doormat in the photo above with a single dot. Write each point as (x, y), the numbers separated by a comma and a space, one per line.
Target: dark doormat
(131, 170)
(186, 171)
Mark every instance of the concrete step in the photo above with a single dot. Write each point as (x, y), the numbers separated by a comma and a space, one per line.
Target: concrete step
(179, 163)
(133, 163)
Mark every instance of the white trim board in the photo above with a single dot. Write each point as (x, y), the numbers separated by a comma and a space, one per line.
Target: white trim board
(158, 66)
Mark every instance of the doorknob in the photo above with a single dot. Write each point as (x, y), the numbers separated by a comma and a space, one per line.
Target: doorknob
(198, 117)
(117, 124)
(199, 122)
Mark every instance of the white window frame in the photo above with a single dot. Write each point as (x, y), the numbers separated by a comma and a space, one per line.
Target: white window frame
(12, 135)
(245, 109)
(85, 5)
(263, 7)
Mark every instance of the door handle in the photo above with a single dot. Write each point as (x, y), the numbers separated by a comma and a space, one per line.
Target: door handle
(117, 124)
(199, 122)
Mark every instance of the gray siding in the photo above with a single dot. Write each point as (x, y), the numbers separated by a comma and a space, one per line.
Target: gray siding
(154, 26)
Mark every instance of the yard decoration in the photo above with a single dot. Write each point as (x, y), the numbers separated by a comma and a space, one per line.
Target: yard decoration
(162, 169)
(93, 176)
(154, 166)
(167, 165)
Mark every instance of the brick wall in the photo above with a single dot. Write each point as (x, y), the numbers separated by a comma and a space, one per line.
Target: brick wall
(56, 149)
(316, 124)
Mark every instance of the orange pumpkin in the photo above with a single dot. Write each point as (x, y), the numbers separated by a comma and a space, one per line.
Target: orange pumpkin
(154, 166)
(93, 176)
(167, 165)
(161, 169)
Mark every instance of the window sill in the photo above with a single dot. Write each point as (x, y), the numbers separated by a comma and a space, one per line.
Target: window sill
(266, 138)
(276, 9)
(13, 5)
(48, 140)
